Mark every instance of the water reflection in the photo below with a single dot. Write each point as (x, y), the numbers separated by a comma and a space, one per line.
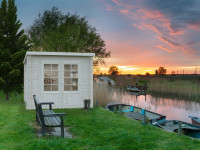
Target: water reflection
(174, 109)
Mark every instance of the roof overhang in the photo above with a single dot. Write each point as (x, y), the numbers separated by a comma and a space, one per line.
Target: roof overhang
(34, 53)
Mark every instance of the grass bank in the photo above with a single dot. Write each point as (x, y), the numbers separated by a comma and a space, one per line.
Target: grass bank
(93, 129)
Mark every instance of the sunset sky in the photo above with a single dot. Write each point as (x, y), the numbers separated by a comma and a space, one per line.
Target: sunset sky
(141, 34)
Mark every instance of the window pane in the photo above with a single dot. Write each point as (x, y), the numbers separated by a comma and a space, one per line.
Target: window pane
(67, 87)
(75, 88)
(74, 67)
(47, 80)
(47, 87)
(67, 81)
(74, 81)
(74, 74)
(67, 74)
(54, 87)
(54, 73)
(54, 67)
(47, 67)
(67, 67)
(47, 74)
(54, 81)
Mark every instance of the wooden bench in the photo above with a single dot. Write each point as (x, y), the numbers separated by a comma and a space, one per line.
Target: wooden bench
(48, 118)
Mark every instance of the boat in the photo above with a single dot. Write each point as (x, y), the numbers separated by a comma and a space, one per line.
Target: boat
(195, 120)
(187, 128)
(133, 89)
(137, 113)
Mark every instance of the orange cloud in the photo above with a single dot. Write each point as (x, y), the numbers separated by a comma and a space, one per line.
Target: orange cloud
(164, 48)
(121, 3)
(170, 42)
(116, 2)
(138, 26)
(124, 11)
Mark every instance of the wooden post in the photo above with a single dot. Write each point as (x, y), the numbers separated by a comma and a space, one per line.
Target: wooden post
(144, 120)
(145, 84)
(136, 83)
(179, 128)
(115, 109)
(120, 109)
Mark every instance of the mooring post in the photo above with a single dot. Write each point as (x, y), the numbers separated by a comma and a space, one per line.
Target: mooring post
(179, 128)
(115, 109)
(136, 83)
(120, 109)
(144, 121)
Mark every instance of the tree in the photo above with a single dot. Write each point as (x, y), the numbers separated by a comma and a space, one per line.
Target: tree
(147, 73)
(113, 70)
(162, 71)
(173, 72)
(54, 31)
(13, 46)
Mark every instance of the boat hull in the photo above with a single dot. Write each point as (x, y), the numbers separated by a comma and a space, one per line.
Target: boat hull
(188, 129)
(137, 113)
(195, 120)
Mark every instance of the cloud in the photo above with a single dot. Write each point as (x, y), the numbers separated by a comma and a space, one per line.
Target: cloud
(164, 48)
(180, 12)
(170, 20)
(170, 42)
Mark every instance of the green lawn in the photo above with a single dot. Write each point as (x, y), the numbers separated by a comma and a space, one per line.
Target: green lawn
(92, 129)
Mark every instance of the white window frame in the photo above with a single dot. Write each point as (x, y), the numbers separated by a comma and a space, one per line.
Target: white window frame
(78, 76)
(42, 76)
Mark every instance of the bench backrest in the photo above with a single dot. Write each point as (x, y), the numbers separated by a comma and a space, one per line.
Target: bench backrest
(38, 109)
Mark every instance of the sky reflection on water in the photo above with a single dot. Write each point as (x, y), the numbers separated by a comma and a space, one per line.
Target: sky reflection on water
(174, 109)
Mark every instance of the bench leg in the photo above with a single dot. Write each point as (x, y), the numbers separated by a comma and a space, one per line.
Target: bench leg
(62, 127)
(37, 120)
(43, 130)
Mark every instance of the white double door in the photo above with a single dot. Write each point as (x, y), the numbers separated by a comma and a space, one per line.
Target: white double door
(70, 84)
(69, 92)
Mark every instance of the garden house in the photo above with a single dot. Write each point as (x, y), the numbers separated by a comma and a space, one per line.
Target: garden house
(63, 78)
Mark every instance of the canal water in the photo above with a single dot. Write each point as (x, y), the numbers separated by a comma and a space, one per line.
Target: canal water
(174, 109)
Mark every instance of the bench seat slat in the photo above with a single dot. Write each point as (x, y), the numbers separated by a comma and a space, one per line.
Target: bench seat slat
(52, 121)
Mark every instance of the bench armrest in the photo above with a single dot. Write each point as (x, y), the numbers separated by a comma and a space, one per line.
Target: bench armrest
(55, 115)
(48, 103)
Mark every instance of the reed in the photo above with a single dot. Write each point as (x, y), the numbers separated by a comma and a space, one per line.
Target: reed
(186, 87)
(103, 94)
(179, 88)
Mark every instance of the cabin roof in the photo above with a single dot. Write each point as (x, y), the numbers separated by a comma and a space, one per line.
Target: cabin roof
(28, 53)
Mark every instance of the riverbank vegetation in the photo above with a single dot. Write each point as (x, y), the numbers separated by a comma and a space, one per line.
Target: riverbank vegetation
(177, 86)
(96, 128)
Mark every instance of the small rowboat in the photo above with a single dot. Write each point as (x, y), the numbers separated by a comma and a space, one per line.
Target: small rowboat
(195, 120)
(187, 128)
(137, 113)
(133, 89)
